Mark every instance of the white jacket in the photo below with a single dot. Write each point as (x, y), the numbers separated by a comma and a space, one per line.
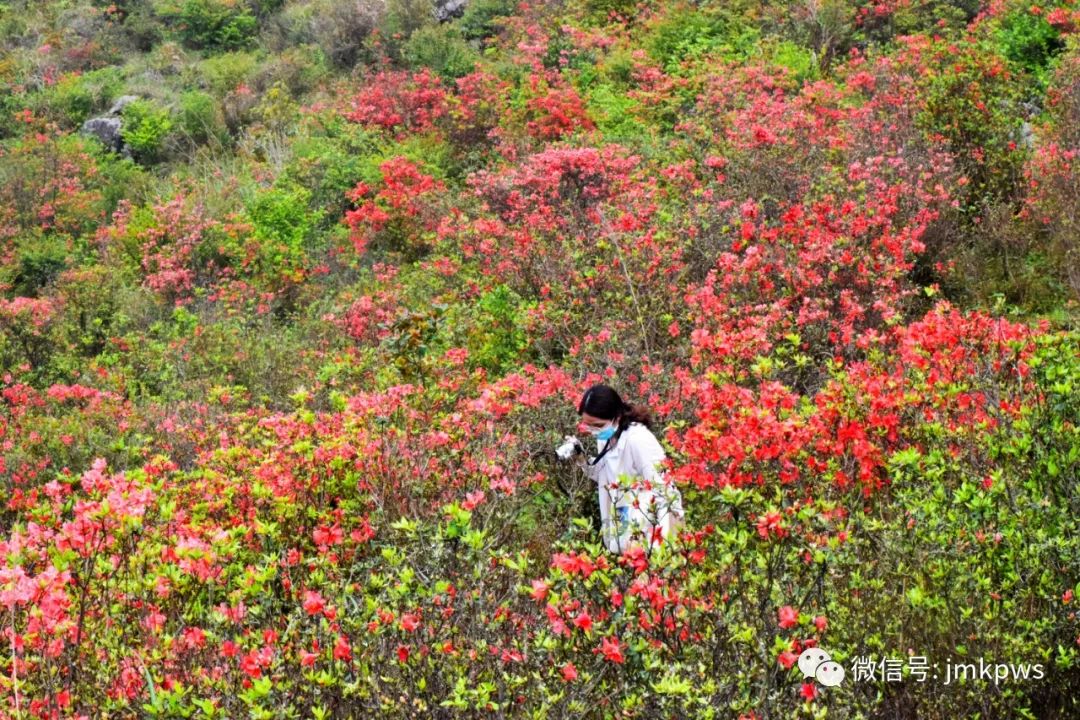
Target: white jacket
(645, 497)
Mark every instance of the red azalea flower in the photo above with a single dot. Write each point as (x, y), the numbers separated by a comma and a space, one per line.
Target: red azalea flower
(789, 616)
(327, 535)
(342, 651)
(539, 590)
(313, 602)
(612, 650)
(569, 672)
(250, 664)
(770, 522)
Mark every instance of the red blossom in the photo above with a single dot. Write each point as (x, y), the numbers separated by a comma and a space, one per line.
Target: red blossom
(342, 649)
(611, 649)
(539, 590)
(313, 602)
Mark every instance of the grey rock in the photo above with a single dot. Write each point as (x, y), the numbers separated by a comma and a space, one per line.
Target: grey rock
(106, 129)
(122, 102)
(447, 9)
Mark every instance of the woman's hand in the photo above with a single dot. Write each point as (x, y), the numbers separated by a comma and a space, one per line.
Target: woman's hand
(570, 448)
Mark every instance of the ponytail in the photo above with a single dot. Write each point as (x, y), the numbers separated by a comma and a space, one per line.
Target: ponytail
(635, 413)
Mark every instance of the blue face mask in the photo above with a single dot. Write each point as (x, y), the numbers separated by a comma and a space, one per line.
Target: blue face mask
(604, 434)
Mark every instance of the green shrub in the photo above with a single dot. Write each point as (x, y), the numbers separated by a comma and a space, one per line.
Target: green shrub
(983, 542)
(76, 97)
(299, 69)
(601, 9)
(1029, 42)
(142, 28)
(330, 163)
(618, 67)
(796, 58)
(38, 261)
(614, 113)
(482, 18)
(442, 49)
(401, 20)
(9, 105)
(213, 24)
(199, 119)
(13, 24)
(91, 307)
(491, 329)
(121, 178)
(501, 337)
(224, 72)
(283, 223)
(246, 352)
(145, 127)
(689, 34)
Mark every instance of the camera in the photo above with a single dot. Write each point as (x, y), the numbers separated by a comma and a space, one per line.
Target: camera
(570, 447)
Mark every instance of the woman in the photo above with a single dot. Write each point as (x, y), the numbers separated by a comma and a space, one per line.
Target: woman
(637, 503)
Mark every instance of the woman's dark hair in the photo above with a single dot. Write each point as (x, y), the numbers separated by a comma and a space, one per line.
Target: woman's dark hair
(603, 402)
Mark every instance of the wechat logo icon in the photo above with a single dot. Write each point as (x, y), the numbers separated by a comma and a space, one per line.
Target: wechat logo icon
(816, 663)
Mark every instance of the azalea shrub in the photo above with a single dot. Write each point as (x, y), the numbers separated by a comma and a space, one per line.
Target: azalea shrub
(334, 560)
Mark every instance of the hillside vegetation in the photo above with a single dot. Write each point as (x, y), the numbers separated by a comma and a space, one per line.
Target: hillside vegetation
(283, 359)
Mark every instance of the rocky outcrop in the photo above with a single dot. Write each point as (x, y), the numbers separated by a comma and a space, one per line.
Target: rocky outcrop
(122, 102)
(107, 127)
(449, 9)
(107, 130)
